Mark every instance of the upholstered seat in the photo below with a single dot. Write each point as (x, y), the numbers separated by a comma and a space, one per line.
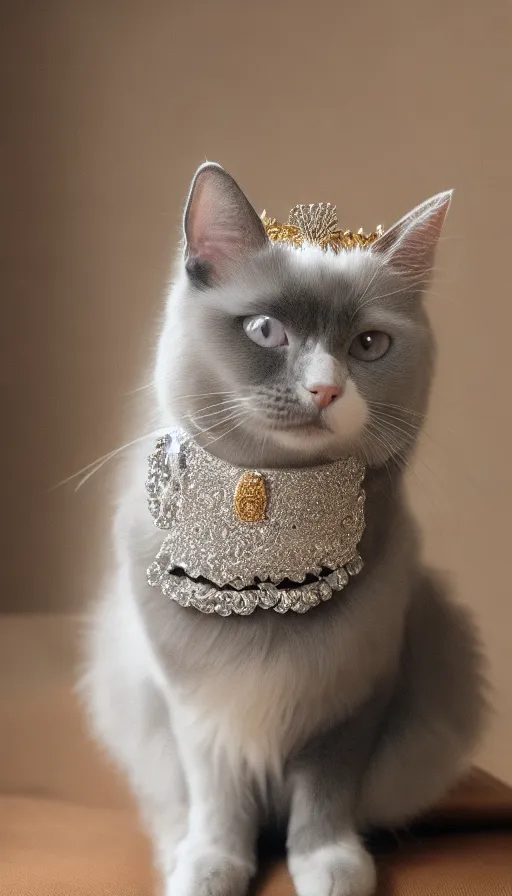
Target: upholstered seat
(68, 828)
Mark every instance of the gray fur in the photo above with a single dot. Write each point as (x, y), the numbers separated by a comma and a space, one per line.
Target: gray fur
(362, 712)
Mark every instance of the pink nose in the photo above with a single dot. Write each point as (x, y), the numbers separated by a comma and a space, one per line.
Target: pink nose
(323, 396)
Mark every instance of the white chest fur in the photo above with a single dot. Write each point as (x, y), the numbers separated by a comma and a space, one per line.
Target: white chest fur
(253, 720)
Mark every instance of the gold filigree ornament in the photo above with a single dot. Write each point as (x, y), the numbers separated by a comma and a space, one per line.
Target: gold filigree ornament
(251, 498)
(317, 225)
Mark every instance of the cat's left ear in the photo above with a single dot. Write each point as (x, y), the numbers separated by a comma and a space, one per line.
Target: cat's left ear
(221, 227)
(410, 244)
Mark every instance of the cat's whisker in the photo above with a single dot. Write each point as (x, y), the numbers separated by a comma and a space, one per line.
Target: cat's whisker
(219, 423)
(392, 444)
(180, 397)
(370, 438)
(365, 292)
(383, 417)
(222, 435)
(367, 458)
(400, 461)
(394, 415)
(411, 434)
(140, 388)
(97, 464)
(410, 437)
(175, 381)
(153, 383)
(381, 441)
(398, 407)
(411, 285)
(416, 280)
(420, 431)
(195, 418)
(92, 468)
(198, 421)
(220, 405)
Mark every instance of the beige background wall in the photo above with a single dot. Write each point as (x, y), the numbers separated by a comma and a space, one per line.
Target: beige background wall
(109, 106)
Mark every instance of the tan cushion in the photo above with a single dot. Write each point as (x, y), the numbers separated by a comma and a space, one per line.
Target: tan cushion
(53, 848)
(68, 827)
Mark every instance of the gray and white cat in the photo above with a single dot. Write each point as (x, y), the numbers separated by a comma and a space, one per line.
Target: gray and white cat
(363, 711)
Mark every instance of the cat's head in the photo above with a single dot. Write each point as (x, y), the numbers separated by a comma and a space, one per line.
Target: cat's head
(281, 356)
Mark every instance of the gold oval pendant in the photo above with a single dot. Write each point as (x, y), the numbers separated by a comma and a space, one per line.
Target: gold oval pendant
(251, 498)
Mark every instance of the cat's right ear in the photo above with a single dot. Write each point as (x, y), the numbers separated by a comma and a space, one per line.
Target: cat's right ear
(221, 227)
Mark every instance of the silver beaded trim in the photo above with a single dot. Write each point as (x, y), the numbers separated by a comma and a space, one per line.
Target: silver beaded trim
(208, 599)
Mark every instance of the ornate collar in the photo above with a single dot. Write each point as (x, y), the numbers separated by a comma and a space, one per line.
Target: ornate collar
(241, 539)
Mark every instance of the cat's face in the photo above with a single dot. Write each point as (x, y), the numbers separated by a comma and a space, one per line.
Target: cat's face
(280, 356)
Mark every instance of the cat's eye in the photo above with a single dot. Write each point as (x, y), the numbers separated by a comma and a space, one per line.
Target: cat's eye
(370, 346)
(265, 331)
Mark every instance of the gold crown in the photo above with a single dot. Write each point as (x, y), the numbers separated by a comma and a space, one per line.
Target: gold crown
(316, 224)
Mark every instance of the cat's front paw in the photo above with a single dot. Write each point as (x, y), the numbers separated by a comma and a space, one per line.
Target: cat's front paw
(209, 875)
(339, 869)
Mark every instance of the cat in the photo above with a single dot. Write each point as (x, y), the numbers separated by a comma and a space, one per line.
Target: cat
(360, 713)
